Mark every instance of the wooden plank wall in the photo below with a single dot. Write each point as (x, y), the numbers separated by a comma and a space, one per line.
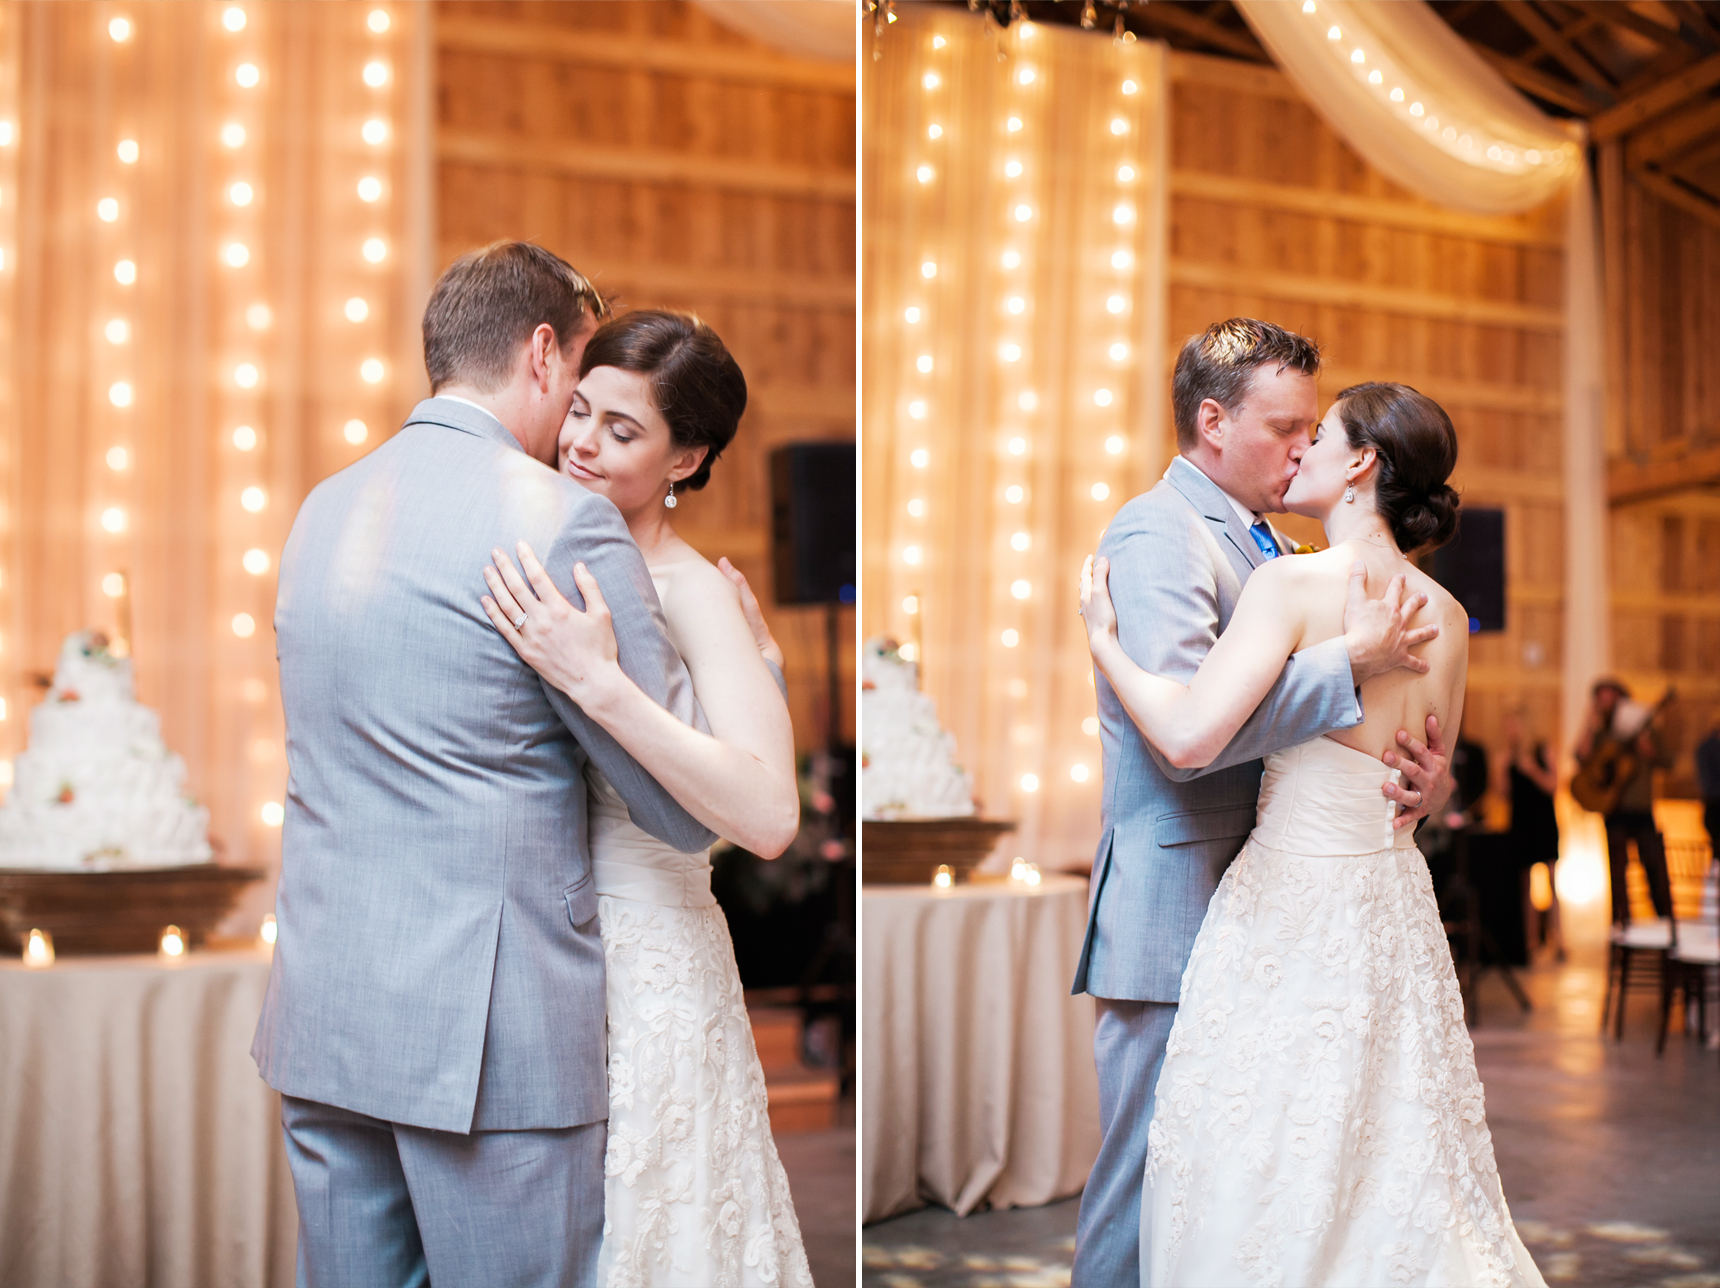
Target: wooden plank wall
(1273, 216)
(680, 166)
(1666, 615)
(1664, 405)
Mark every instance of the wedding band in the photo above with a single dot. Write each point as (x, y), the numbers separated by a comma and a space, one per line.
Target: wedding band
(521, 624)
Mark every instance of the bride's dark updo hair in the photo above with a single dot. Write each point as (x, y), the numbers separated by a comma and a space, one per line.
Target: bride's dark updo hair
(697, 386)
(1415, 450)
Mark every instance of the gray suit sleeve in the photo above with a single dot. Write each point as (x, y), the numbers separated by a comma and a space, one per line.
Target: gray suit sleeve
(1166, 591)
(597, 536)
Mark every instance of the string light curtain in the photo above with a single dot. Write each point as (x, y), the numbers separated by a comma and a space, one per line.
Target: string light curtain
(1014, 189)
(216, 252)
(1423, 108)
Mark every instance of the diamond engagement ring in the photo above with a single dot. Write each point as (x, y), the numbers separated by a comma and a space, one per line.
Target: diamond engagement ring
(521, 624)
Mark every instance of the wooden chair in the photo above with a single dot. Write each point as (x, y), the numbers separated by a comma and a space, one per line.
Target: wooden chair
(1693, 960)
(1636, 952)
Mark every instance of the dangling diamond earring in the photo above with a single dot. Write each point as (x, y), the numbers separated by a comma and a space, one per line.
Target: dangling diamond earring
(1349, 493)
(670, 502)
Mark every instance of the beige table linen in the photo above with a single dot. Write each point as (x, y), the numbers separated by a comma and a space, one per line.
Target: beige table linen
(138, 1146)
(979, 1084)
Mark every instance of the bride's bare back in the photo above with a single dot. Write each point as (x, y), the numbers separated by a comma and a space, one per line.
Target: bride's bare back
(1398, 699)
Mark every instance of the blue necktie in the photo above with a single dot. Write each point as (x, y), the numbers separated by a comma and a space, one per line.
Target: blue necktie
(1263, 538)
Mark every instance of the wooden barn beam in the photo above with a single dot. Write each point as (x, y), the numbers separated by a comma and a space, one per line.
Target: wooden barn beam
(1196, 27)
(1634, 111)
(1235, 279)
(643, 165)
(1620, 15)
(1629, 481)
(1539, 83)
(1324, 203)
(1551, 39)
(540, 40)
(1690, 163)
(1672, 135)
(1675, 195)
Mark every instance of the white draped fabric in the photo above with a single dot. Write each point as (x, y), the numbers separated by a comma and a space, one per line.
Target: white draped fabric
(823, 29)
(1421, 107)
(1437, 120)
(1014, 384)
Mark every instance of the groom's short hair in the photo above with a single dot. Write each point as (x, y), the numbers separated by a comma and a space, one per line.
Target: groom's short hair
(488, 303)
(1220, 362)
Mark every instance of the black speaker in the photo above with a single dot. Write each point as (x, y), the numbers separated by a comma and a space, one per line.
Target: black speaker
(1472, 568)
(812, 522)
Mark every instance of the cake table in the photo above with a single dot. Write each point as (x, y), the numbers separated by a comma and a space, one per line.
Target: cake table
(139, 1143)
(978, 1081)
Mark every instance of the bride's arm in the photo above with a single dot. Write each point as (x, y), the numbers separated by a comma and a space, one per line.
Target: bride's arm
(738, 780)
(1191, 723)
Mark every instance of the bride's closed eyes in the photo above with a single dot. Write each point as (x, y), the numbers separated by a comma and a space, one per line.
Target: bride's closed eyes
(622, 427)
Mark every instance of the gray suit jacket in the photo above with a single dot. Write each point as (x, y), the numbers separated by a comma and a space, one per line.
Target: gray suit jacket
(1179, 556)
(438, 960)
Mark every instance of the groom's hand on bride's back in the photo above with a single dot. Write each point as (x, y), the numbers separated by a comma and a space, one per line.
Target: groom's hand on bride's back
(1377, 632)
(1426, 771)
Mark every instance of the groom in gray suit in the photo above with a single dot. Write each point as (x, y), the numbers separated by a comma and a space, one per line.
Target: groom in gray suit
(435, 1013)
(1245, 403)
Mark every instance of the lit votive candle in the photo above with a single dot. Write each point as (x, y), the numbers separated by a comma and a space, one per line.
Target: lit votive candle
(267, 932)
(1018, 869)
(1032, 877)
(173, 942)
(38, 950)
(944, 878)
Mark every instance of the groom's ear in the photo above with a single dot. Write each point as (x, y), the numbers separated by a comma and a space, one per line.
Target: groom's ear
(543, 352)
(1210, 419)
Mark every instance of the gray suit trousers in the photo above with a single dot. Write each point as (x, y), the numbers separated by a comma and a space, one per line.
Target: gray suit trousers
(1129, 1048)
(383, 1205)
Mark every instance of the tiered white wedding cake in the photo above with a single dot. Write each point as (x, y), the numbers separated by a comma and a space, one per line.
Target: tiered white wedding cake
(97, 788)
(908, 768)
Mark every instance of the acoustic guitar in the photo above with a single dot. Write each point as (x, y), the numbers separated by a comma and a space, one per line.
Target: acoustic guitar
(1612, 762)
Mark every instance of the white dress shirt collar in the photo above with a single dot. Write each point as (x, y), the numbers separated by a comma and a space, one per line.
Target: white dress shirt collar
(456, 398)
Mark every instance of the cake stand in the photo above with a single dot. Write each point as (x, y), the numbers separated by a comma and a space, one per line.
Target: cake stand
(908, 851)
(122, 910)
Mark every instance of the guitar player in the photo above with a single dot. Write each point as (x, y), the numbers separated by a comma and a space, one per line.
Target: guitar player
(1614, 719)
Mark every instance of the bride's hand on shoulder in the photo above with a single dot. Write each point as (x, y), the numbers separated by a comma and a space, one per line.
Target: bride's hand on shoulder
(1097, 610)
(767, 645)
(575, 651)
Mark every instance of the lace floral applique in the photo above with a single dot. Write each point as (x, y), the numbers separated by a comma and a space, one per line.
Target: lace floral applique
(694, 1191)
(1319, 1114)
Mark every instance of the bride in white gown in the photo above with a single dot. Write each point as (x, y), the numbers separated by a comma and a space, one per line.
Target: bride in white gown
(1318, 1120)
(694, 1194)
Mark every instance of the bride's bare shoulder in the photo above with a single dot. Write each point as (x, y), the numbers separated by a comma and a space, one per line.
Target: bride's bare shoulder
(702, 606)
(1302, 571)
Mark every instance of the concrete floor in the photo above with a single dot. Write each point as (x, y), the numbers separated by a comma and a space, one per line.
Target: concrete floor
(1610, 1158)
(821, 1173)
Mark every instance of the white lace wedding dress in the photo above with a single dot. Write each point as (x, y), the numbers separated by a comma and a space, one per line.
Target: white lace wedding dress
(1318, 1120)
(694, 1194)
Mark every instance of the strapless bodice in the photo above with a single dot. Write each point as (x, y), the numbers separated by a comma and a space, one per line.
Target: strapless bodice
(627, 862)
(1323, 798)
